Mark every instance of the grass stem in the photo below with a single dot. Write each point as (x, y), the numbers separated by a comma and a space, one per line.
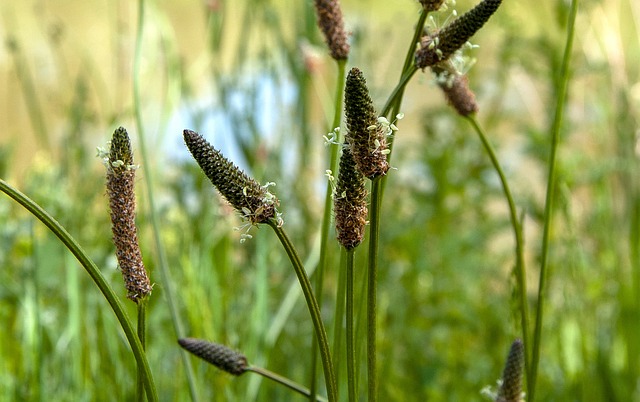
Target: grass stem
(563, 86)
(314, 310)
(516, 224)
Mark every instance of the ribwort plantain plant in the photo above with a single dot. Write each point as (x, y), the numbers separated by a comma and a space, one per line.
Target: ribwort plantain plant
(355, 226)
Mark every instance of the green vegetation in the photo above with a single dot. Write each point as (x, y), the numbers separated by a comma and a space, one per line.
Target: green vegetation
(514, 214)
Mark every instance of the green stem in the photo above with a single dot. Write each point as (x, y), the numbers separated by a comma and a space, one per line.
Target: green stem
(284, 381)
(142, 304)
(551, 185)
(326, 218)
(314, 310)
(372, 273)
(517, 232)
(148, 177)
(351, 350)
(96, 276)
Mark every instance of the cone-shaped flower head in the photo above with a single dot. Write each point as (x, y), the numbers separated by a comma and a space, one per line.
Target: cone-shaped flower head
(246, 195)
(350, 203)
(439, 46)
(365, 137)
(456, 89)
(330, 22)
(219, 355)
(511, 388)
(122, 201)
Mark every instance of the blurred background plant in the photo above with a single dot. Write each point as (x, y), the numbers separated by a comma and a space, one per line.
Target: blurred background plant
(256, 80)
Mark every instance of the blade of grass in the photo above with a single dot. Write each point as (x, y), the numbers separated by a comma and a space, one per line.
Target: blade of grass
(96, 276)
(551, 187)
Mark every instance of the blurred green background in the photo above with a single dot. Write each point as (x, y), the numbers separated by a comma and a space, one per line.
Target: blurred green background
(255, 78)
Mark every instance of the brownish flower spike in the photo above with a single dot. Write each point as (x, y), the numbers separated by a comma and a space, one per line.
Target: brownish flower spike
(219, 355)
(122, 201)
(511, 388)
(330, 22)
(246, 195)
(350, 204)
(440, 46)
(365, 136)
(456, 89)
(431, 5)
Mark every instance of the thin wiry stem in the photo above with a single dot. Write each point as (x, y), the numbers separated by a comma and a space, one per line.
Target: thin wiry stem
(351, 347)
(314, 309)
(551, 186)
(520, 269)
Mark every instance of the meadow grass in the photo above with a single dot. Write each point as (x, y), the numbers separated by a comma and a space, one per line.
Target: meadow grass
(473, 235)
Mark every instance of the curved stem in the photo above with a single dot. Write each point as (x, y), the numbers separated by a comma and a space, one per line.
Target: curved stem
(551, 185)
(96, 276)
(516, 224)
(314, 310)
(294, 386)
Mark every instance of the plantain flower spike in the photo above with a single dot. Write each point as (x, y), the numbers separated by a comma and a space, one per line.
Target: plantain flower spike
(511, 387)
(330, 21)
(431, 5)
(350, 204)
(455, 87)
(246, 195)
(219, 355)
(122, 202)
(366, 137)
(443, 43)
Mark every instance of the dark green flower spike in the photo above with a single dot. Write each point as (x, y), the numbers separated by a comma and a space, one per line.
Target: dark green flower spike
(366, 137)
(246, 195)
(442, 44)
(219, 355)
(511, 387)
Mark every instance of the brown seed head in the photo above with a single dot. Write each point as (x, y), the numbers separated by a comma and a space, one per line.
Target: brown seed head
(350, 203)
(330, 22)
(122, 201)
(365, 136)
(246, 195)
(455, 87)
(219, 355)
(441, 45)
(431, 5)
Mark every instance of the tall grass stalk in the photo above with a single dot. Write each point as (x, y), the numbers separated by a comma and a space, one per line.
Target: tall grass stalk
(563, 86)
(93, 271)
(516, 224)
(148, 177)
(314, 309)
(393, 102)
